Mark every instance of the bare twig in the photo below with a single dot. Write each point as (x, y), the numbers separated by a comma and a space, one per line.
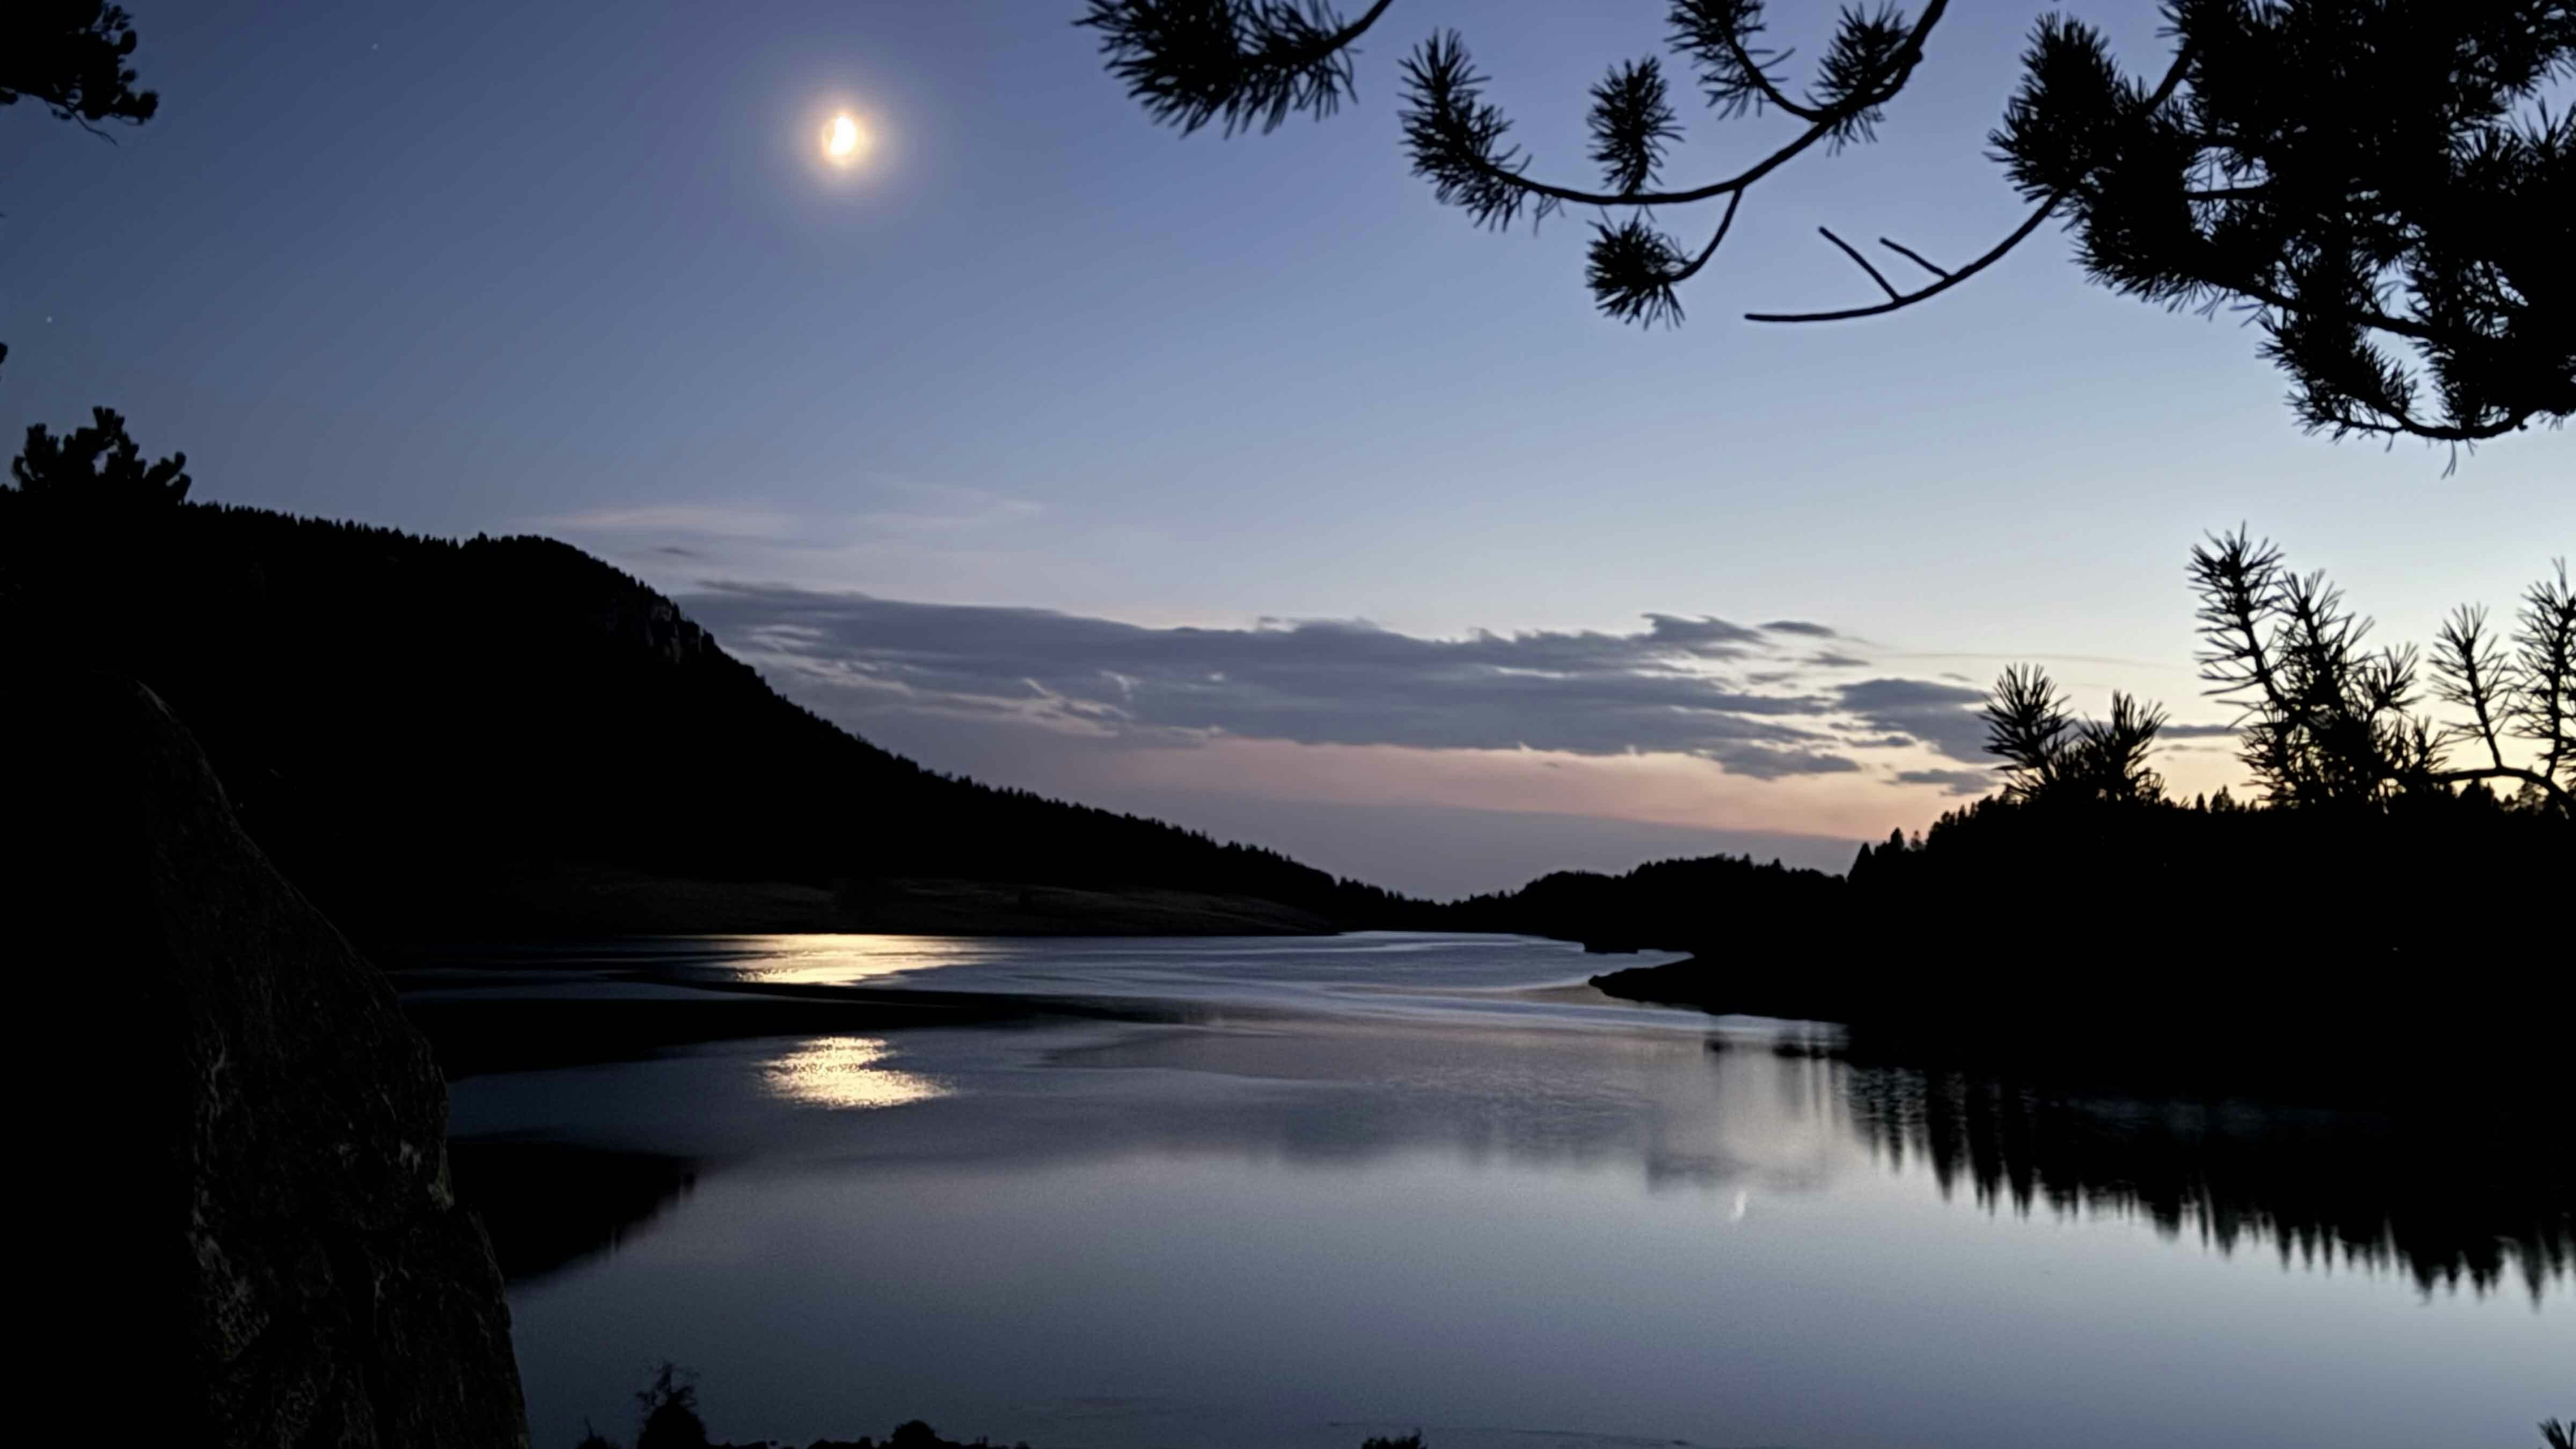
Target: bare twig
(1923, 294)
(1875, 274)
(1723, 223)
(2163, 93)
(1911, 255)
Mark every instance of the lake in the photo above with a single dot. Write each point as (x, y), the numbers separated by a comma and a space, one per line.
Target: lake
(1295, 1192)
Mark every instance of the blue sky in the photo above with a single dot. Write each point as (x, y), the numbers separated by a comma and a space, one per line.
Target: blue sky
(482, 268)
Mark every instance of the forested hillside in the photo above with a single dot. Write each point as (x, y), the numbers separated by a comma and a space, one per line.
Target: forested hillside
(419, 729)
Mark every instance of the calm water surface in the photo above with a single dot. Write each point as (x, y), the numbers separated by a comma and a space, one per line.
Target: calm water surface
(1290, 1193)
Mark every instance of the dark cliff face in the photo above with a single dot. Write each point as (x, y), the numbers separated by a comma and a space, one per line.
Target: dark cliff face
(241, 1145)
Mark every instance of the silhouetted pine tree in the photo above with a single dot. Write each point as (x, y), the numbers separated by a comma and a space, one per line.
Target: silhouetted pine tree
(2328, 722)
(97, 467)
(2050, 756)
(69, 57)
(2381, 186)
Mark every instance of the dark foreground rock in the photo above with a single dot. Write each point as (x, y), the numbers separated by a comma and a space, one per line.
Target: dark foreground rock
(238, 1144)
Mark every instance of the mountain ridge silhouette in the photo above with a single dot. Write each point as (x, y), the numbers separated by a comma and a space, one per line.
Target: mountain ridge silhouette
(509, 735)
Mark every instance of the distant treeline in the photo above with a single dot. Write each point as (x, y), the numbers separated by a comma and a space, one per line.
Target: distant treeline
(2324, 889)
(403, 720)
(1678, 905)
(2004, 881)
(2005, 910)
(2379, 894)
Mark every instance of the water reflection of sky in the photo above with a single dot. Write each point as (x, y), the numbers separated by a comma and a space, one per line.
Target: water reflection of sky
(1531, 1213)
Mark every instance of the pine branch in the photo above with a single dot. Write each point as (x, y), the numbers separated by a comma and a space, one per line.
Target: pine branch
(1246, 63)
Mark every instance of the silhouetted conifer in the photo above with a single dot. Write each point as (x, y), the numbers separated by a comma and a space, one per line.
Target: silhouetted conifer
(667, 1411)
(2050, 756)
(2327, 721)
(96, 467)
(69, 57)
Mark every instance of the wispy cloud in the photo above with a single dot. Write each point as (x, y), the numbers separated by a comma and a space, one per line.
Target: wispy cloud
(923, 509)
(1952, 782)
(1681, 685)
(677, 520)
(894, 509)
(893, 535)
(1942, 716)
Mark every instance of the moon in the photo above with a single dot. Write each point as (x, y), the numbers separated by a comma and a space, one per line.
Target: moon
(844, 139)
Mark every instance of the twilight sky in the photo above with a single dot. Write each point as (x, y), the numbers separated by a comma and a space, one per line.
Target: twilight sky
(1233, 481)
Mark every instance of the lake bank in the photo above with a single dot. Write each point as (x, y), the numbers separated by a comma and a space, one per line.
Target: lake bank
(2329, 1032)
(588, 901)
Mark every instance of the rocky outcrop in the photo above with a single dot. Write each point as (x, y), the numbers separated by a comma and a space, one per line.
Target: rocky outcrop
(241, 1143)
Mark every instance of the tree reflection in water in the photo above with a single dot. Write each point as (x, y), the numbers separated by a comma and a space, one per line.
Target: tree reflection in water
(2473, 1190)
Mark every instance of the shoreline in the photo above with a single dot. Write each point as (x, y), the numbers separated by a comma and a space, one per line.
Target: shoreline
(563, 902)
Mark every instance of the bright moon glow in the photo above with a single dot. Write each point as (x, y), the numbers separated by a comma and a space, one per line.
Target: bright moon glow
(843, 140)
